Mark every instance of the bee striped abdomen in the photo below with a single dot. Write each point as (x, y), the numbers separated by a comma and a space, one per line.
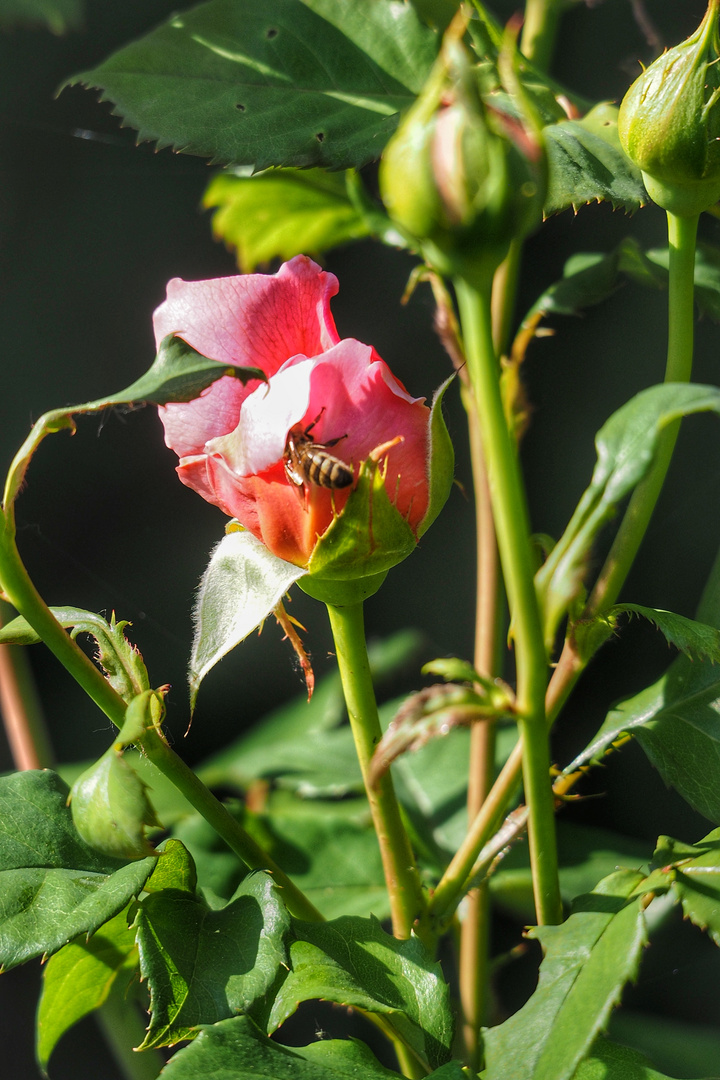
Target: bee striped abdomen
(325, 470)
(307, 462)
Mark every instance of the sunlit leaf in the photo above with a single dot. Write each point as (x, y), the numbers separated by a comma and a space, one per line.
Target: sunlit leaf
(289, 82)
(588, 960)
(281, 213)
(586, 164)
(204, 965)
(52, 885)
(79, 978)
(353, 961)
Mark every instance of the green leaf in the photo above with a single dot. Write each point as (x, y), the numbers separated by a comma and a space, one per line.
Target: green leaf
(676, 722)
(59, 16)
(587, 962)
(707, 276)
(352, 961)
(586, 164)
(242, 585)
(52, 885)
(78, 979)
(331, 856)
(307, 746)
(292, 82)
(203, 965)
(695, 875)
(590, 277)
(281, 213)
(626, 445)
(678, 1047)
(178, 373)
(237, 1050)
(610, 1061)
(585, 856)
(693, 638)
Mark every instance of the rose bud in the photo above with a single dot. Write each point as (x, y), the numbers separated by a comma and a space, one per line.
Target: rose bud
(669, 122)
(331, 463)
(462, 178)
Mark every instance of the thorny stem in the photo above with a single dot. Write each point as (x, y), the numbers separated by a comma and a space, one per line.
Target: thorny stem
(475, 929)
(407, 901)
(682, 233)
(20, 591)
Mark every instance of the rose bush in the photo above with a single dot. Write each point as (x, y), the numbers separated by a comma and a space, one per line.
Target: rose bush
(231, 441)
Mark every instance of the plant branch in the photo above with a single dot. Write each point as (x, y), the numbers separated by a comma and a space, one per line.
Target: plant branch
(407, 901)
(513, 535)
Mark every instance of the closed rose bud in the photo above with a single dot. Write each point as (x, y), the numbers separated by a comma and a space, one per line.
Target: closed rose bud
(464, 179)
(669, 122)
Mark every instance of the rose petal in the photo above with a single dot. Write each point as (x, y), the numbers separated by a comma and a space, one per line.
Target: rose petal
(255, 320)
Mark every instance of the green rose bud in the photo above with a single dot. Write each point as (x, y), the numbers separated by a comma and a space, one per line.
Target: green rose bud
(109, 802)
(669, 122)
(462, 178)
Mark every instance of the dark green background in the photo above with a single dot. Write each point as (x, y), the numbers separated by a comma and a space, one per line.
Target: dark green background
(91, 229)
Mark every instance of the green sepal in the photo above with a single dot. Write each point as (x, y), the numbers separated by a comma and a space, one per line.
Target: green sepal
(369, 535)
(441, 460)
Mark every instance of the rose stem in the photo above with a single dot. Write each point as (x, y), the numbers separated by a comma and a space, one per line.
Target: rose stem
(513, 535)
(682, 234)
(407, 902)
(23, 595)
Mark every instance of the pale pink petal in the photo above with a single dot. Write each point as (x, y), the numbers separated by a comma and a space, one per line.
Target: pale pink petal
(253, 320)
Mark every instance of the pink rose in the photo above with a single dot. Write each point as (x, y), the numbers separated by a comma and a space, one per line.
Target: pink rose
(232, 440)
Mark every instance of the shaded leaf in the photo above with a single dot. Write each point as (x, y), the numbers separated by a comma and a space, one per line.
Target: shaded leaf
(695, 878)
(588, 960)
(610, 1061)
(293, 82)
(585, 855)
(237, 1050)
(307, 746)
(626, 445)
(352, 961)
(707, 276)
(281, 213)
(693, 638)
(78, 979)
(678, 1047)
(331, 854)
(203, 965)
(586, 164)
(241, 585)
(59, 16)
(591, 277)
(53, 886)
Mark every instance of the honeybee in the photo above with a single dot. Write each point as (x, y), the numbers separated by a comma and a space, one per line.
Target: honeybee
(308, 462)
